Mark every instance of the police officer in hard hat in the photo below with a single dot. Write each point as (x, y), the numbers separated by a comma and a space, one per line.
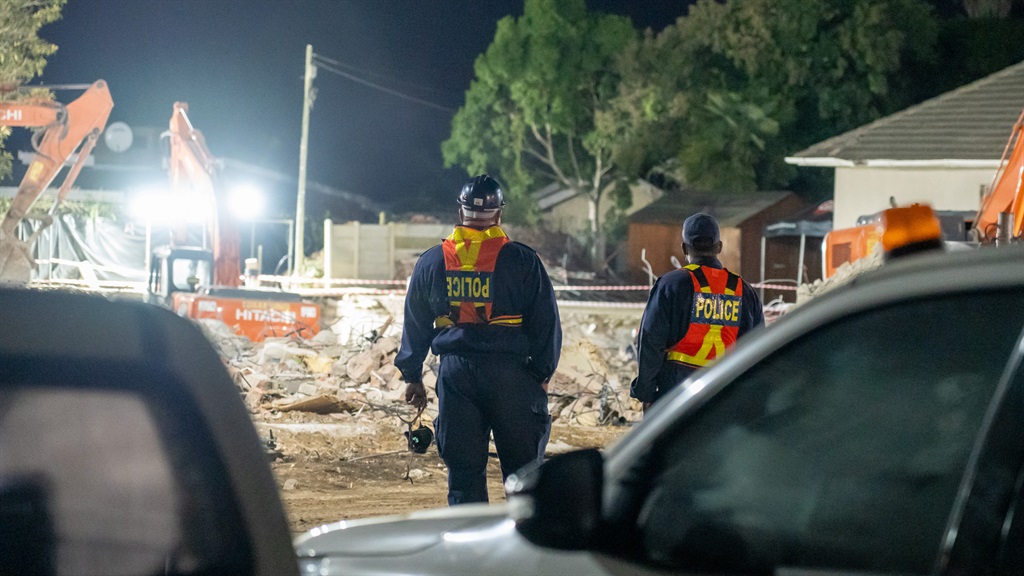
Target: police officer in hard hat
(484, 305)
(693, 314)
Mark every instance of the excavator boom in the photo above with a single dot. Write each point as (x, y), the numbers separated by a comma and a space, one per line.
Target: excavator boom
(1007, 193)
(31, 115)
(62, 131)
(180, 275)
(193, 164)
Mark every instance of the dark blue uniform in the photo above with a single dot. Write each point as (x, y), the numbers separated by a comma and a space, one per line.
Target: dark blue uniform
(665, 322)
(491, 377)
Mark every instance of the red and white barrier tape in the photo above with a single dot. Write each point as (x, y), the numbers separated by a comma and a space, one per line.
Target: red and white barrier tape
(347, 291)
(774, 286)
(602, 288)
(594, 304)
(331, 281)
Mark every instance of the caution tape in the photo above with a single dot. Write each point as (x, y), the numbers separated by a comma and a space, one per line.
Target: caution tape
(328, 292)
(331, 281)
(774, 286)
(602, 288)
(596, 304)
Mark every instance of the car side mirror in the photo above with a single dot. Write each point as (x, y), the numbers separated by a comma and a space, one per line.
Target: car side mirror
(557, 504)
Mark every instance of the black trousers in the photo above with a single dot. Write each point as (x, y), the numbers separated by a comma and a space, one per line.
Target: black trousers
(479, 395)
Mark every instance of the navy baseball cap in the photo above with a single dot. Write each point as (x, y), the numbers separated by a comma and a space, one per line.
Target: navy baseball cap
(700, 229)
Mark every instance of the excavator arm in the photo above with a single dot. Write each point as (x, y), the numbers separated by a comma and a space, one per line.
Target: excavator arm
(61, 130)
(193, 165)
(1007, 193)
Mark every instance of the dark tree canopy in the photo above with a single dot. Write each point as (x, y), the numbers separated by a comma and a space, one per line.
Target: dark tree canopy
(22, 52)
(744, 83)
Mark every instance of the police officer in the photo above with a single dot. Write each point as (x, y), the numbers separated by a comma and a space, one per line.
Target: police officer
(692, 315)
(483, 304)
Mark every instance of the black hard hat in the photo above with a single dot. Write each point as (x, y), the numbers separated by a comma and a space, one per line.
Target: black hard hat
(482, 193)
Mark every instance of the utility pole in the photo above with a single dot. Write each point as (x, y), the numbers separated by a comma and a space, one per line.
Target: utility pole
(300, 205)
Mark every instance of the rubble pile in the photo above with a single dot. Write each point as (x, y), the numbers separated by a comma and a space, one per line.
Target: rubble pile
(347, 370)
(843, 274)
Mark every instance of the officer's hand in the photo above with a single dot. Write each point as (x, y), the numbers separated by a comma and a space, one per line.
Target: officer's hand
(647, 406)
(416, 394)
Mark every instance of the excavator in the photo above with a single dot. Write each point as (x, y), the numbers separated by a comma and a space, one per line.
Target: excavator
(202, 283)
(59, 130)
(1001, 216)
(999, 220)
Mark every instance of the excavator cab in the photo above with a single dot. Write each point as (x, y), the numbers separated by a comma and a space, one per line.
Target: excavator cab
(178, 269)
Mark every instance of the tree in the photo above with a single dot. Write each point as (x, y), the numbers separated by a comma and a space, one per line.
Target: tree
(22, 52)
(745, 83)
(531, 113)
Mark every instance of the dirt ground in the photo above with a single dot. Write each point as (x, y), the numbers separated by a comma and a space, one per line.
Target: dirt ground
(332, 469)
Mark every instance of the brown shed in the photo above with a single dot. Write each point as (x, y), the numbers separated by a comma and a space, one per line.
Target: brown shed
(655, 230)
(791, 247)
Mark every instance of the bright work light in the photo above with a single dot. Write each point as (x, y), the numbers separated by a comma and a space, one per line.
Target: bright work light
(245, 201)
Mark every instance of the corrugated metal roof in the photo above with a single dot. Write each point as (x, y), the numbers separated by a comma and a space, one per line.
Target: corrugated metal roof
(729, 209)
(971, 123)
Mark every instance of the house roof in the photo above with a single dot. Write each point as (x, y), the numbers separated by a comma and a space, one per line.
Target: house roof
(730, 209)
(815, 220)
(967, 127)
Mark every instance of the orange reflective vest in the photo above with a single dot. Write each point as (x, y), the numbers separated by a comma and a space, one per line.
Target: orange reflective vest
(469, 259)
(714, 316)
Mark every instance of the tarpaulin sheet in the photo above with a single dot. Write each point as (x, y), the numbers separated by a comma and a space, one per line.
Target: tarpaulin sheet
(108, 250)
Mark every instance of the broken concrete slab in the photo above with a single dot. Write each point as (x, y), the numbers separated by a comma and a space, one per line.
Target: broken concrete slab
(317, 405)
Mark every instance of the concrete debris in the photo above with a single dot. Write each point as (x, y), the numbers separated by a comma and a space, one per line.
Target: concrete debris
(317, 405)
(843, 275)
(347, 370)
(418, 474)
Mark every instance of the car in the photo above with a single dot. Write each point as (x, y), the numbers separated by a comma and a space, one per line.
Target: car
(875, 430)
(125, 448)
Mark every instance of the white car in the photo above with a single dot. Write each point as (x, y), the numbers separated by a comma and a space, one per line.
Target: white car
(877, 430)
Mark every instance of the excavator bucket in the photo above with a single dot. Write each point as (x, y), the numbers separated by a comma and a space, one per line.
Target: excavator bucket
(78, 129)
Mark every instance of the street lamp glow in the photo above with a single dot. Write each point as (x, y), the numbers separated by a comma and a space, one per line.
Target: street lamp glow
(160, 207)
(246, 202)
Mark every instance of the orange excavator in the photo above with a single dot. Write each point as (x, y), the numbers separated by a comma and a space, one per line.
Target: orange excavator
(1001, 216)
(999, 220)
(59, 131)
(200, 283)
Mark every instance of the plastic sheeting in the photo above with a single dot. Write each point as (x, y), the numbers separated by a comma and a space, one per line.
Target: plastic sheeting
(103, 249)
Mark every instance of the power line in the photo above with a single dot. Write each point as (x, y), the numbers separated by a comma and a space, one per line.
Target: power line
(389, 77)
(376, 86)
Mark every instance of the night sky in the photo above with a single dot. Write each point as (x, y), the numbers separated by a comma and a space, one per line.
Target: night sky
(239, 65)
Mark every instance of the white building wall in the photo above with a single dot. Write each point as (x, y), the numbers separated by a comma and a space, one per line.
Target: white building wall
(573, 215)
(860, 190)
(375, 251)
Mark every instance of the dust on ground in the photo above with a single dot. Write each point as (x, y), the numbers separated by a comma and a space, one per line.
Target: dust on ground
(333, 469)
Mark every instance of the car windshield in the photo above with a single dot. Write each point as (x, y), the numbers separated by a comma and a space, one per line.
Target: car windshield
(844, 449)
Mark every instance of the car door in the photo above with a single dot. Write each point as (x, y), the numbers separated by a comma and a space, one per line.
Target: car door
(125, 448)
(882, 442)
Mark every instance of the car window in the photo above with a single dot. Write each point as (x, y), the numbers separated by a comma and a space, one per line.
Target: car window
(106, 481)
(843, 449)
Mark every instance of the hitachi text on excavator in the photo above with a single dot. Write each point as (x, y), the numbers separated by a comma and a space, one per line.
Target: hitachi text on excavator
(62, 133)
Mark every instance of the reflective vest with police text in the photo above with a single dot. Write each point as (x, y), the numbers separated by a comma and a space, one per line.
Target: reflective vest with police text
(469, 259)
(714, 316)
